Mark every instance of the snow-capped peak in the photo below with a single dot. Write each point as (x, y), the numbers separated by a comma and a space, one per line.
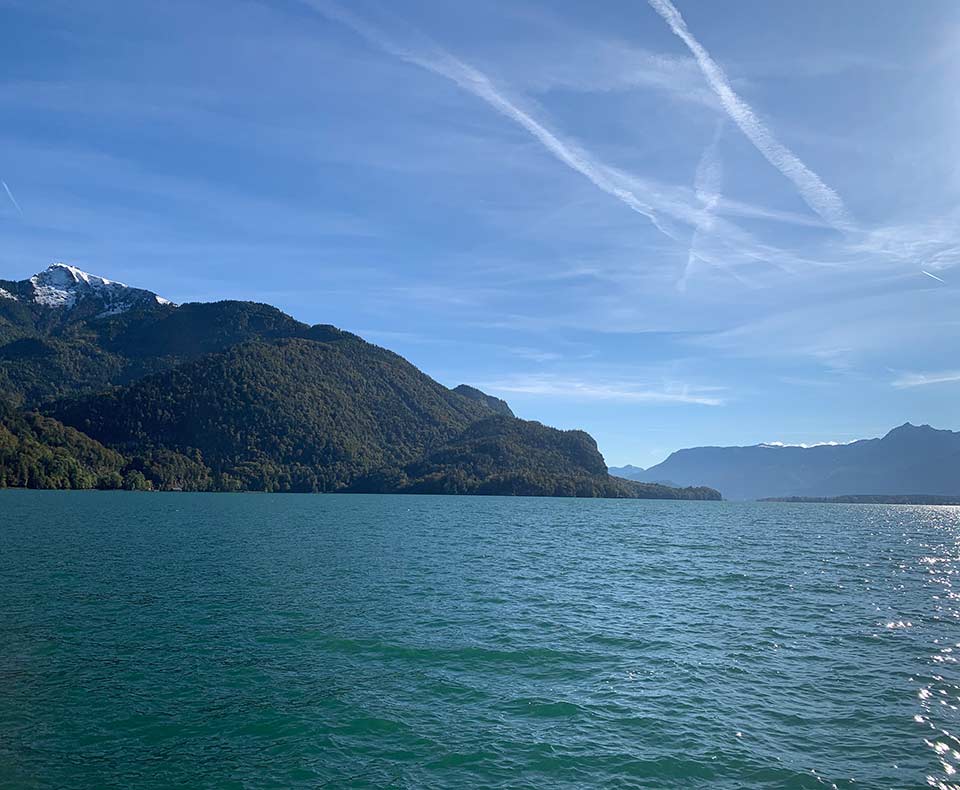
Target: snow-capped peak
(62, 285)
(65, 274)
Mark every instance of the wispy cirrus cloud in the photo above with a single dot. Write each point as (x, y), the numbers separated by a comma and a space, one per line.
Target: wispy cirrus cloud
(672, 210)
(737, 208)
(442, 63)
(932, 244)
(534, 354)
(617, 390)
(910, 380)
(577, 62)
(897, 335)
(702, 228)
(820, 197)
(675, 211)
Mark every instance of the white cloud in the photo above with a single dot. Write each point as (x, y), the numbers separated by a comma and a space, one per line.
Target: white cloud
(909, 380)
(576, 62)
(932, 244)
(866, 328)
(535, 354)
(625, 391)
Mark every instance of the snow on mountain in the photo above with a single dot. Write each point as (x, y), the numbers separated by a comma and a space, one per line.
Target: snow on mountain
(7, 295)
(62, 285)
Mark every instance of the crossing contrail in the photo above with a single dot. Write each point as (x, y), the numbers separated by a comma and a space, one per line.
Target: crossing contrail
(476, 82)
(821, 198)
(707, 184)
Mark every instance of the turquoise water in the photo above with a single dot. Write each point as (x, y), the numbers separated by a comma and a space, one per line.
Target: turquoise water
(180, 640)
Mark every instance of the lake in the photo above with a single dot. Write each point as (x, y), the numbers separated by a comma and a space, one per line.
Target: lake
(275, 641)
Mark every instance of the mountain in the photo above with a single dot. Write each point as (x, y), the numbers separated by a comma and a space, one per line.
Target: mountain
(291, 413)
(55, 331)
(628, 472)
(909, 460)
(111, 334)
(493, 456)
(238, 395)
(496, 405)
(69, 289)
(631, 472)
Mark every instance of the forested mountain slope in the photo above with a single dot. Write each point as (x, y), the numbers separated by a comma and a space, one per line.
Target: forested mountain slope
(240, 396)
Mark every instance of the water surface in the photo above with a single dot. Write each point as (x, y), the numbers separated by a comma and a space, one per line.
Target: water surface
(163, 640)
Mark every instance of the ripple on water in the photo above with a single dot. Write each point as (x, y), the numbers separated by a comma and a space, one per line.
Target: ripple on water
(282, 641)
(939, 693)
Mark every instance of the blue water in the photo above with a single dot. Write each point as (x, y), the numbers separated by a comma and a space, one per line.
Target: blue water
(254, 641)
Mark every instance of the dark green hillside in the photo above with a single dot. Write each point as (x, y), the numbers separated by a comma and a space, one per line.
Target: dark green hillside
(41, 452)
(192, 330)
(502, 455)
(38, 452)
(42, 359)
(35, 369)
(330, 414)
(17, 319)
(293, 414)
(496, 405)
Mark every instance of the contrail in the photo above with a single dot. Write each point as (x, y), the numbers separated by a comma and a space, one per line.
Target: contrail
(706, 185)
(12, 198)
(938, 279)
(476, 82)
(660, 205)
(821, 198)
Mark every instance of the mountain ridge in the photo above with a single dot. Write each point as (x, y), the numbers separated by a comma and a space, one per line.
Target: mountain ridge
(908, 459)
(236, 395)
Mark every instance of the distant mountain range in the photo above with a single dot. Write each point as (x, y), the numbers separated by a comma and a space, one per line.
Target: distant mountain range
(103, 385)
(909, 460)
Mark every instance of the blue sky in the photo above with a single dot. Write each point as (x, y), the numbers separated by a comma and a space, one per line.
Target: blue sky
(670, 225)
